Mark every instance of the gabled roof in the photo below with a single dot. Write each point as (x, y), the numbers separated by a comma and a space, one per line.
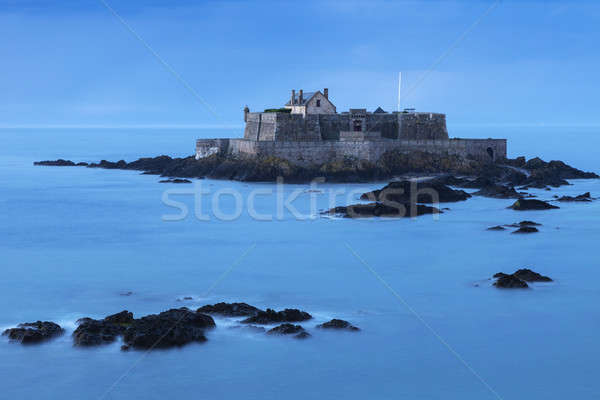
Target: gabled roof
(379, 111)
(306, 96)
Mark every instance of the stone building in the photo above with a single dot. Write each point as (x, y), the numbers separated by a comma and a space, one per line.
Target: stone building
(309, 130)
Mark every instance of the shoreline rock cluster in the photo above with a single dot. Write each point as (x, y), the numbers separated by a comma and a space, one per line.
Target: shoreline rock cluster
(518, 279)
(534, 173)
(172, 328)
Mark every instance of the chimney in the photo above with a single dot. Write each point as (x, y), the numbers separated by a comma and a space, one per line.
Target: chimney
(246, 111)
(326, 93)
(300, 97)
(293, 97)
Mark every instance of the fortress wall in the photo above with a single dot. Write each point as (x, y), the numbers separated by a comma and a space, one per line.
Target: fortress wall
(387, 124)
(422, 126)
(319, 152)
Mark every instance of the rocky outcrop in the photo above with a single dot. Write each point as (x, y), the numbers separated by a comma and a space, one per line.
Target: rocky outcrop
(416, 192)
(582, 197)
(496, 228)
(175, 327)
(289, 329)
(531, 204)
(60, 163)
(230, 309)
(271, 316)
(338, 324)
(92, 332)
(519, 279)
(382, 210)
(393, 163)
(498, 192)
(510, 282)
(526, 229)
(175, 180)
(34, 332)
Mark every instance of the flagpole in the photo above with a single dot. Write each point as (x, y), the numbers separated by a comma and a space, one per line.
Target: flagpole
(399, 88)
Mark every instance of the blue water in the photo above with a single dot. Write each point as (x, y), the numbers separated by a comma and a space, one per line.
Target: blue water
(74, 239)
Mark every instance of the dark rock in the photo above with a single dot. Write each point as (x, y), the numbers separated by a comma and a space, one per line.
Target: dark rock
(230, 309)
(125, 347)
(175, 180)
(415, 192)
(125, 293)
(496, 228)
(34, 332)
(382, 210)
(531, 276)
(285, 329)
(338, 324)
(251, 328)
(582, 197)
(175, 327)
(510, 282)
(523, 275)
(498, 192)
(522, 224)
(526, 229)
(302, 335)
(531, 204)
(60, 163)
(91, 332)
(271, 316)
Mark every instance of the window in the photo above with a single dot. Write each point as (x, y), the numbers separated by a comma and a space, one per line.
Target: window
(357, 125)
(319, 103)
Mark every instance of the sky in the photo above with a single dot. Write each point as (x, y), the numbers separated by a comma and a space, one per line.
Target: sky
(198, 63)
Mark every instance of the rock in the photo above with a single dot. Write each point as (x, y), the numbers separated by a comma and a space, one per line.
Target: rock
(60, 163)
(531, 204)
(531, 276)
(230, 309)
(382, 210)
(91, 332)
(338, 324)
(415, 192)
(582, 197)
(498, 192)
(523, 223)
(519, 278)
(302, 335)
(510, 282)
(175, 327)
(526, 229)
(175, 180)
(271, 316)
(125, 293)
(496, 228)
(251, 328)
(34, 332)
(285, 329)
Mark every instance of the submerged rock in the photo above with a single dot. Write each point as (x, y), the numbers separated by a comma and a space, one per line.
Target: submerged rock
(175, 180)
(531, 204)
(431, 191)
(582, 197)
(289, 329)
(271, 316)
(498, 192)
(496, 228)
(230, 309)
(338, 324)
(34, 332)
(175, 327)
(383, 210)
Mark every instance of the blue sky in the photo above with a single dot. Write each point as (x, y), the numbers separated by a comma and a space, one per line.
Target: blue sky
(74, 63)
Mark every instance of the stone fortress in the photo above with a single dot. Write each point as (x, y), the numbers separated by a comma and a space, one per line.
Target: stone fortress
(308, 130)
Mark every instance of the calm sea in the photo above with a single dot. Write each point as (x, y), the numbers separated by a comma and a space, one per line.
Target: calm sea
(74, 239)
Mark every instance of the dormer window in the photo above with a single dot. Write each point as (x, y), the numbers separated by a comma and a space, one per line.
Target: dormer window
(318, 103)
